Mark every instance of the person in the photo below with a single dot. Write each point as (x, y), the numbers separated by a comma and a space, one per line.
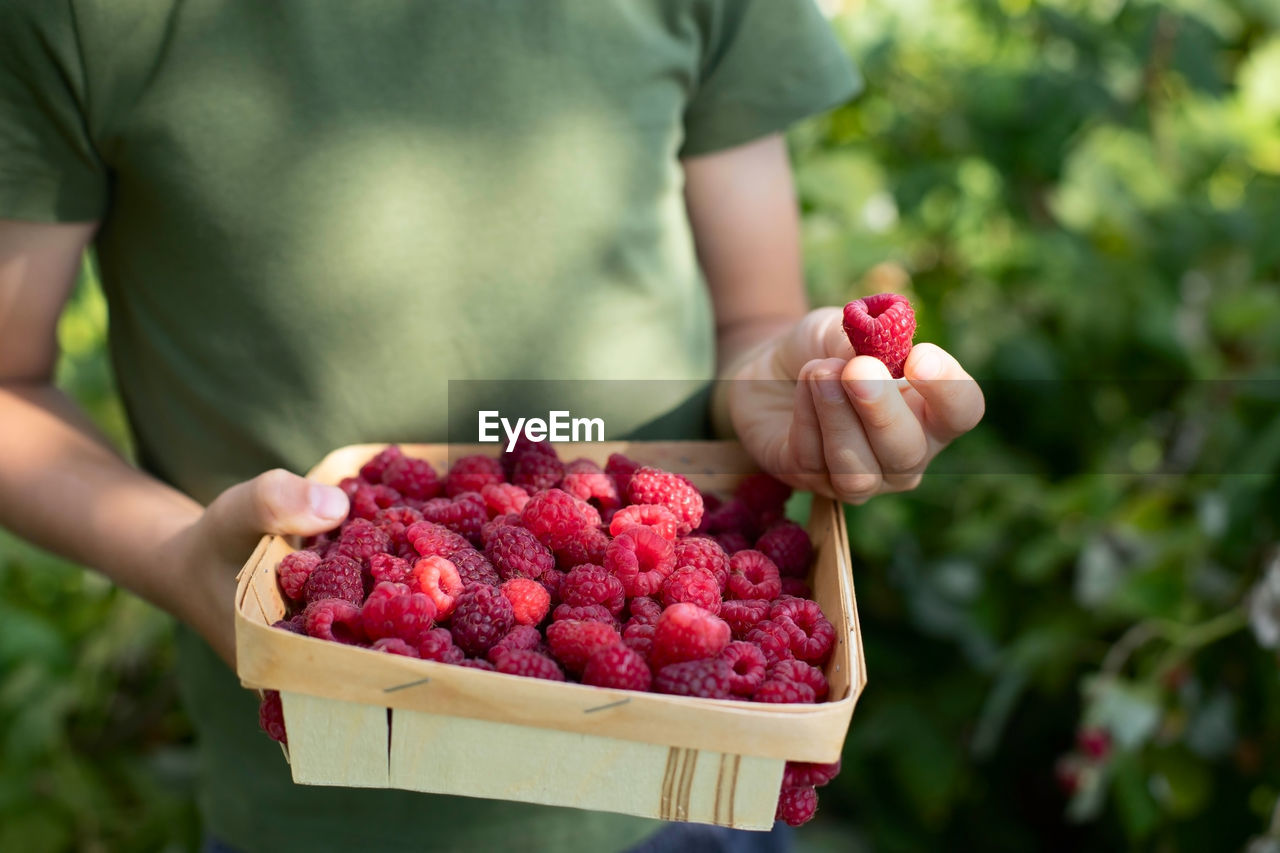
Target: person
(309, 217)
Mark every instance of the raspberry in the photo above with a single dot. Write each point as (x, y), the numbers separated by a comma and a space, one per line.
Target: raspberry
(746, 666)
(517, 553)
(753, 575)
(557, 518)
(529, 664)
(393, 611)
(641, 559)
(588, 584)
(395, 646)
(271, 717)
(335, 619)
(644, 610)
(797, 805)
(510, 519)
(687, 632)
(881, 326)
(675, 492)
(435, 540)
(551, 582)
(523, 637)
(503, 498)
(437, 645)
(743, 615)
(814, 637)
(413, 478)
(802, 773)
(574, 641)
(732, 517)
(509, 459)
(639, 637)
(482, 615)
(801, 673)
(618, 667)
(584, 612)
(774, 639)
(477, 663)
(796, 588)
(702, 553)
(335, 577)
(290, 625)
(360, 540)
(620, 469)
(529, 599)
(385, 567)
(294, 570)
(464, 515)
(707, 679)
(781, 691)
(536, 472)
(394, 521)
(659, 519)
(438, 579)
(368, 501)
(764, 495)
(696, 586)
(590, 547)
(732, 541)
(350, 485)
(474, 567)
(371, 471)
(473, 473)
(585, 481)
(1094, 742)
(788, 545)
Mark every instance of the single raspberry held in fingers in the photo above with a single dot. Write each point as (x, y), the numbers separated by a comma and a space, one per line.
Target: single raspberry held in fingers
(437, 645)
(659, 519)
(801, 673)
(788, 545)
(797, 805)
(702, 553)
(435, 540)
(294, 570)
(474, 567)
(585, 481)
(743, 615)
(336, 620)
(413, 478)
(396, 646)
(517, 553)
(482, 615)
(335, 577)
(673, 491)
(693, 585)
(472, 474)
(706, 679)
(746, 667)
(881, 326)
(271, 716)
(590, 584)
(529, 599)
(782, 692)
(641, 559)
(503, 498)
(392, 610)
(686, 632)
(438, 579)
(523, 637)
(753, 575)
(801, 773)
(530, 664)
(573, 642)
(618, 667)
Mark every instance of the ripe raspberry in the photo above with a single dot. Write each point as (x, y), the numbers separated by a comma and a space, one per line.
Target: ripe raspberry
(335, 577)
(814, 637)
(703, 553)
(687, 632)
(746, 665)
(435, 540)
(361, 539)
(477, 663)
(413, 478)
(530, 664)
(731, 517)
(385, 567)
(473, 473)
(881, 326)
(437, 645)
(517, 553)
(618, 667)
(640, 638)
(394, 521)
(732, 541)
(552, 581)
(523, 445)
(796, 588)
(783, 692)
(557, 518)
(392, 610)
(797, 805)
(464, 515)
(802, 773)
(774, 639)
(585, 481)
(742, 616)
(588, 584)
(536, 472)
(437, 578)
(1094, 742)
(511, 519)
(620, 469)
(523, 637)
(293, 626)
(584, 612)
(371, 471)
(271, 717)
(368, 501)
(474, 567)
(529, 599)
(590, 547)
(707, 679)
(482, 615)
(395, 646)
(753, 575)
(801, 673)
(503, 498)
(294, 570)
(673, 491)
(644, 610)
(764, 495)
(696, 586)
(573, 642)
(659, 519)
(336, 620)
(641, 559)
(788, 545)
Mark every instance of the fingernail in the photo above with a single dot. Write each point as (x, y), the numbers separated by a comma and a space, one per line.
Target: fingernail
(829, 387)
(327, 502)
(866, 389)
(926, 366)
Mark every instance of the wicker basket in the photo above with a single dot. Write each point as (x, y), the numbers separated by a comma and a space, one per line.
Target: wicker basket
(361, 718)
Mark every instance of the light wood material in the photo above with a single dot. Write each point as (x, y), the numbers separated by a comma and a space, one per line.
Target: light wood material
(627, 741)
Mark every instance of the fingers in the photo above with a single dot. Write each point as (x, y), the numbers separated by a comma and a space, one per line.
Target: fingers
(892, 430)
(820, 334)
(953, 401)
(853, 472)
(277, 502)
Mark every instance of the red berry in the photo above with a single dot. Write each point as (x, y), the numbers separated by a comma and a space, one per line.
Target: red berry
(731, 517)
(788, 546)
(801, 673)
(1094, 742)
(744, 615)
(644, 610)
(557, 518)
(659, 519)
(293, 626)
(530, 664)
(271, 717)
(797, 805)
(584, 612)
(882, 327)
(585, 481)
(438, 579)
(774, 639)
(746, 665)
(510, 519)
(753, 575)
(703, 553)
(395, 646)
(371, 471)
(781, 691)
(536, 472)
(618, 667)
(673, 491)
(413, 478)
(573, 641)
(388, 568)
(395, 521)
(815, 637)
(804, 773)
(336, 620)
(695, 586)
(437, 645)
(620, 469)
(474, 567)
(589, 547)
(529, 599)
(434, 540)
(523, 637)
(294, 570)
(368, 501)
(1067, 771)
(641, 559)
(796, 588)
(503, 498)
(588, 584)
(361, 539)
(707, 679)
(482, 615)
(393, 611)
(764, 496)
(464, 515)
(335, 577)
(517, 553)
(639, 636)
(477, 663)
(687, 632)
(471, 474)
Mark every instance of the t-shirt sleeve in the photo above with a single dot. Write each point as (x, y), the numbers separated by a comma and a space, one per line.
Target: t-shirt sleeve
(49, 168)
(766, 64)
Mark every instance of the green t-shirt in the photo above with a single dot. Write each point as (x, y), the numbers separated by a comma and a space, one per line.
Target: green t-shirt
(315, 214)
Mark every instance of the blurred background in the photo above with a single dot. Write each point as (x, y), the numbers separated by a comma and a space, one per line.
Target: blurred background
(1072, 628)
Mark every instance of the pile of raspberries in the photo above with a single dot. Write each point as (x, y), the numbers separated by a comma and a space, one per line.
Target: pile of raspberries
(624, 577)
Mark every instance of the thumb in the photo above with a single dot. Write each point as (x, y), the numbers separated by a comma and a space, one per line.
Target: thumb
(276, 502)
(820, 334)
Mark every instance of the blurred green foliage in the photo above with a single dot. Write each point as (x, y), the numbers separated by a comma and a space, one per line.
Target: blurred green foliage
(1083, 199)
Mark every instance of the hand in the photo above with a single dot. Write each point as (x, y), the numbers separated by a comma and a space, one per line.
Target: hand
(210, 551)
(823, 419)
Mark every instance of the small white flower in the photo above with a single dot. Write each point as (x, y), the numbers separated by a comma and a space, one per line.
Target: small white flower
(1264, 605)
